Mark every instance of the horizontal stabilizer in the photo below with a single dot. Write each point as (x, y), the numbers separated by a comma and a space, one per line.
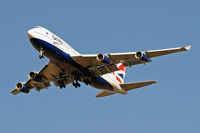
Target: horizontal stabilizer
(15, 91)
(104, 93)
(130, 86)
(127, 87)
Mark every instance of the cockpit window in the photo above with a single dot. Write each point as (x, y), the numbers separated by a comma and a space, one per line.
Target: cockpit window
(38, 27)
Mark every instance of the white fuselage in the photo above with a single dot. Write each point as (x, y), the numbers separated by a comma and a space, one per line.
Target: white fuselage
(58, 50)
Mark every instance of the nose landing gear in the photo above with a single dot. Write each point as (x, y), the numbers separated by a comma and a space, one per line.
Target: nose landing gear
(41, 53)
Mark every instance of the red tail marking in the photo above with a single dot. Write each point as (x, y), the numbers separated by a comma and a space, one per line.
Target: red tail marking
(121, 67)
(118, 79)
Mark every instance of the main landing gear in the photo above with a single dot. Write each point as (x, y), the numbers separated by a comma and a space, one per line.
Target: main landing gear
(87, 81)
(75, 82)
(62, 79)
(77, 77)
(61, 84)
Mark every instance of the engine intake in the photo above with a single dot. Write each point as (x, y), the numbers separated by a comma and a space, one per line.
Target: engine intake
(22, 87)
(103, 58)
(142, 56)
(34, 76)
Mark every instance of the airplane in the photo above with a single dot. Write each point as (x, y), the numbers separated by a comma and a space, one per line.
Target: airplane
(102, 71)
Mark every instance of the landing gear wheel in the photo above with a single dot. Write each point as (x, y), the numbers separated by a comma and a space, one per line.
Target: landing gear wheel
(76, 84)
(40, 56)
(79, 85)
(61, 83)
(87, 82)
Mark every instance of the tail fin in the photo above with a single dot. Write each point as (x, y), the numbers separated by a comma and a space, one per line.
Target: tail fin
(120, 75)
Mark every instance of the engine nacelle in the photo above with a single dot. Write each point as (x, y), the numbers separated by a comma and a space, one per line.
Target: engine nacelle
(142, 56)
(103, 58)
(22, 87)
(34, 76)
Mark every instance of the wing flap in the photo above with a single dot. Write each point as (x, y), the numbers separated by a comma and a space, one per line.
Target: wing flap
(131, 62)
(103, 69)
(130, 86)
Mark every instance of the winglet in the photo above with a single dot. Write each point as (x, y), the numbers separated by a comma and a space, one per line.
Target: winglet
(188, 47)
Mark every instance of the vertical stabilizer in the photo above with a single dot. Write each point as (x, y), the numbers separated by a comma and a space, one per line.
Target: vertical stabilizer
(120, 75)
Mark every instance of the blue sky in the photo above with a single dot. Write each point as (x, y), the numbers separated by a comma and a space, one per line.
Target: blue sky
(171, 105)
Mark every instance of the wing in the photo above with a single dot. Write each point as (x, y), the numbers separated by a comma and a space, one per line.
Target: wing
(50, 72)
(128, 59)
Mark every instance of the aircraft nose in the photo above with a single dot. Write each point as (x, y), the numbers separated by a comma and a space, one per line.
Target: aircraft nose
(30, 33)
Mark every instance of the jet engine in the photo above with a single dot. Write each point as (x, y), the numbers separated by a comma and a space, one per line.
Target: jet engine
(34, 76)
(103, 58)
(22, 87)
(142, 56)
